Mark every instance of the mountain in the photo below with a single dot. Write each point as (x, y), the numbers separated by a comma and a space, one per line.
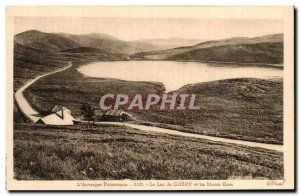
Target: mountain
(165, 54)
(104, 42)
(114, 45)
(30, 63)
(56, 42)
(265, 38)
(264, 49)
(267, 53)
(49, 42)
(144, 45)
(176, 42)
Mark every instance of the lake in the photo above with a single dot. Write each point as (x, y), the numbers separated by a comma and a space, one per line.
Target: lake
(175, 74)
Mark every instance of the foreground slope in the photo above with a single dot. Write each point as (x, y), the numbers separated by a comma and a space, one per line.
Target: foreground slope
(116, 153)
(30, 63)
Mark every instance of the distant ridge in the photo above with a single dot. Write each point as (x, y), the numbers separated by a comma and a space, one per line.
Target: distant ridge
(57, 42)
(49, 42)
(104, 42)
(263, 49)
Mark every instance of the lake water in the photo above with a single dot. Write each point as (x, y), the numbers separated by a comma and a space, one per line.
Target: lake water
(175, 74)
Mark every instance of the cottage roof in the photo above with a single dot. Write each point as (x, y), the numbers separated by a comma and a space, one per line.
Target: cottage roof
(59, 116)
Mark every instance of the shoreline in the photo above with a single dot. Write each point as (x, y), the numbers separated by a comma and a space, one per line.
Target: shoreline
(279, 66)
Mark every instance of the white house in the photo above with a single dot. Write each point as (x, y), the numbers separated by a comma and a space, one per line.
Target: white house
(59, 115)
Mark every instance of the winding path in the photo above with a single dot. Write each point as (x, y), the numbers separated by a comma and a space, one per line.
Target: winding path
(34, 116)
(22, 102)
(275, 147)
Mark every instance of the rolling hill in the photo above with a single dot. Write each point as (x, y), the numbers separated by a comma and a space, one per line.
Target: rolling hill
(48, 42)
(56, 42)
(36, 52)
(104, 42)
(264, 49)
(30, 63)
(85, 50)
(114, 45)
(95, 42)
(268, 53)
(145, 45)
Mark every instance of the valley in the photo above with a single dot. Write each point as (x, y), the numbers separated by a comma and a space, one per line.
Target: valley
(241, 108)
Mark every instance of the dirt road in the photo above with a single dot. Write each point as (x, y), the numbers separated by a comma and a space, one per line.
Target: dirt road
(22, 102)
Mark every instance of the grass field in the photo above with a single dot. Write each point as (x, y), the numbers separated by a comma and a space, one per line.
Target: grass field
(245, 109)
(110, 152)
(30, 63)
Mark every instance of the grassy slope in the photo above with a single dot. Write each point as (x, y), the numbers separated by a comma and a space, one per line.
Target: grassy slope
(45, 41)
(249, 109)
(264, 49)
(165, 54)
(73, 153)
(85, 50)
(30, 63)
(102, 41)
(70, 88)
(270, 53)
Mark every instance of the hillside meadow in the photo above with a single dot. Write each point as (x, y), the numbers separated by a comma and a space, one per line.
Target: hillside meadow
(244, 109)
(115, 153)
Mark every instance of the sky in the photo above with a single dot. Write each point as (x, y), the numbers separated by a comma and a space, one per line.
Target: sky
(150, 28)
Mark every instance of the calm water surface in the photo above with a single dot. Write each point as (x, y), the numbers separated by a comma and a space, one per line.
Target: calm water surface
(175, 74)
